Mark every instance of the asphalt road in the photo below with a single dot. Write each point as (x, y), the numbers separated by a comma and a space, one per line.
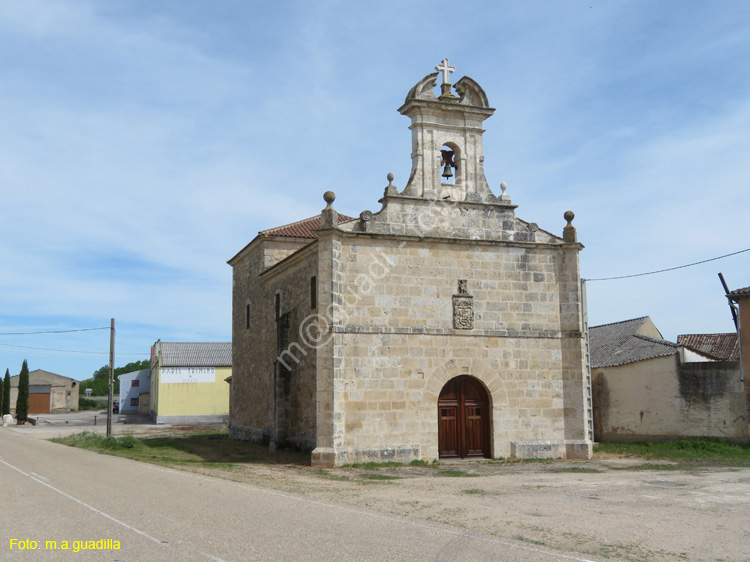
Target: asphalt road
(51, 492)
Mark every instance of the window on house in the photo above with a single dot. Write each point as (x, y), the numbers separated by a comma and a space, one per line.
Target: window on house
(135, 382)
(314, 291)
(278, 306)
(134, 402)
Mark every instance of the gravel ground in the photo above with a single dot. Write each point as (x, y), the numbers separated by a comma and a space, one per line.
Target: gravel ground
(624, 509)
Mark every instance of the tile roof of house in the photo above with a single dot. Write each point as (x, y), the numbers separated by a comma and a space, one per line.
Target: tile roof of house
(745, 291)
(300, 229)
(724, 347)
(196, 354)
(619, 343)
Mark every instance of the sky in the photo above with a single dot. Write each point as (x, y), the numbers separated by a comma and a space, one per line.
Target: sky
(143, 144)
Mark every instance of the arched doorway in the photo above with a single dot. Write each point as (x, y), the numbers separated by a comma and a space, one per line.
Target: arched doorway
(463, 419)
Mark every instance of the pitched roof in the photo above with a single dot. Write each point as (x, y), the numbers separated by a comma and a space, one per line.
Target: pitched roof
(196, 354)
(36, 373)
(620, 343)
(724, 347)
(301, 229)
(744, 292)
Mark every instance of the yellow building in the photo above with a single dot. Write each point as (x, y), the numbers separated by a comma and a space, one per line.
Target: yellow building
(187, 382)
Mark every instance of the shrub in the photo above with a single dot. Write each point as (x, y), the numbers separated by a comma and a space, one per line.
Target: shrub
(88, 404)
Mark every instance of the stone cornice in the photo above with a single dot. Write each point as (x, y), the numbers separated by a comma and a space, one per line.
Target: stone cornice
(475, 333)
(481, 113)
(507, 243)
(450, 202)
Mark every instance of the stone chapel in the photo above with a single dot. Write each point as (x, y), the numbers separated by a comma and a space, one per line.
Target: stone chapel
(441, 326)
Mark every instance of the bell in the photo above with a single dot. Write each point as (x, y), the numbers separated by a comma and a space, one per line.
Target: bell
(447, 172)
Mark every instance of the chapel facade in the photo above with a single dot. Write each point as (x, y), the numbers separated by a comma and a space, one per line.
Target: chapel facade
(441, 326)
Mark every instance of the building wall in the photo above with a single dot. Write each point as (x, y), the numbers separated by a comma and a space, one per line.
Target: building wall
(128, 391)
(144, 402)
(193, 402)
(254, 342)
(63, 390)
(396, 347)
(295, 371)
(744, 305)
(369, 391)
(661, 399)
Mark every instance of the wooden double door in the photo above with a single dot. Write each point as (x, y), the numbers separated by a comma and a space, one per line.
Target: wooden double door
(463, 419)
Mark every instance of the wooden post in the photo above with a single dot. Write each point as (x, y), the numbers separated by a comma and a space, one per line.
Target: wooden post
(111, 376)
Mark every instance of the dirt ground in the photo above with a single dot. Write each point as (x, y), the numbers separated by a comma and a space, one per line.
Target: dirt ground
(611, 507)
(615, 508)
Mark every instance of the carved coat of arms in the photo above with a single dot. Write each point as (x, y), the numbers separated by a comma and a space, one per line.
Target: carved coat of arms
(463, 308)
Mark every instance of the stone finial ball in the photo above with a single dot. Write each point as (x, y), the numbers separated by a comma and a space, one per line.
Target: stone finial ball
(569, 216)
(329, 197)
(503, 186)
(390, 176)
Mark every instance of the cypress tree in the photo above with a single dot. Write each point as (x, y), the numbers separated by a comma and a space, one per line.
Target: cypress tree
(6, 393)
(22, 403)
(2, 395)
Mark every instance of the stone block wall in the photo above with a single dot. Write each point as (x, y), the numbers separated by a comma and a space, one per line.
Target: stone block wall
(254, 339)
(396, 346)
(389, 386)
(295, 350)
(403, 284)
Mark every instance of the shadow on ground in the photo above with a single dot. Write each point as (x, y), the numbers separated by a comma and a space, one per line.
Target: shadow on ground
(216, 447)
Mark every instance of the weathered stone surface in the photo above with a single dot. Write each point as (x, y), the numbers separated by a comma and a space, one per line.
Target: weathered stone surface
(358, 377)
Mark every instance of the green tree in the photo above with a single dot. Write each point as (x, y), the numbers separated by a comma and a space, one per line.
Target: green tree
(2, 395)
(22, 403)
(99, 382)
(6, 393)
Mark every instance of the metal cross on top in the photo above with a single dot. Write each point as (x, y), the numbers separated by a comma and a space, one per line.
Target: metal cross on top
(446, 69)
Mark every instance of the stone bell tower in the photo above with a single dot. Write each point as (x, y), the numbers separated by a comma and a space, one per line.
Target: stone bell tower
(447, 151)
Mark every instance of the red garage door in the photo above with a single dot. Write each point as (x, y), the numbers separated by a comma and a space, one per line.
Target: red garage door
(39, 399)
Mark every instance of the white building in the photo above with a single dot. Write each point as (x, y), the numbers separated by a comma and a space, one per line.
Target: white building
(135, 389)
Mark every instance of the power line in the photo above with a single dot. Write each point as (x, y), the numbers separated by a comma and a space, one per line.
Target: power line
(61, 350)
(669, 268)
(52, 331)
(67, 350)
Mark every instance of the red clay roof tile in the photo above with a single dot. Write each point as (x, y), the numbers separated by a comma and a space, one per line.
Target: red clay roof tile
(724, 347)
(300, 229)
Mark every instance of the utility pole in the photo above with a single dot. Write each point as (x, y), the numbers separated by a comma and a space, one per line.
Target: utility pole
(736, 318)
(111, 375)
(731, 304)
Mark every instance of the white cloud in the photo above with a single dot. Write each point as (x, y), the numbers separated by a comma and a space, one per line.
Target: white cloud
(155, 142)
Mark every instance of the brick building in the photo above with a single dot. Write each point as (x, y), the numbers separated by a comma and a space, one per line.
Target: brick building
(440, 326)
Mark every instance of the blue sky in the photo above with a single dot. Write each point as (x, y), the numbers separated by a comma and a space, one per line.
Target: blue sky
(142, 144)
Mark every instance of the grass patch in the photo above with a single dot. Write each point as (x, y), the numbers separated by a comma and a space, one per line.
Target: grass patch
(329, 476)
(711, 450)
(580, 469)
(528, 540)
(456, 473)
(97, 441)
(502, 460)
(380, 477)
(209, 448)
(417, 462)
(373, 465)
(652, 466)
